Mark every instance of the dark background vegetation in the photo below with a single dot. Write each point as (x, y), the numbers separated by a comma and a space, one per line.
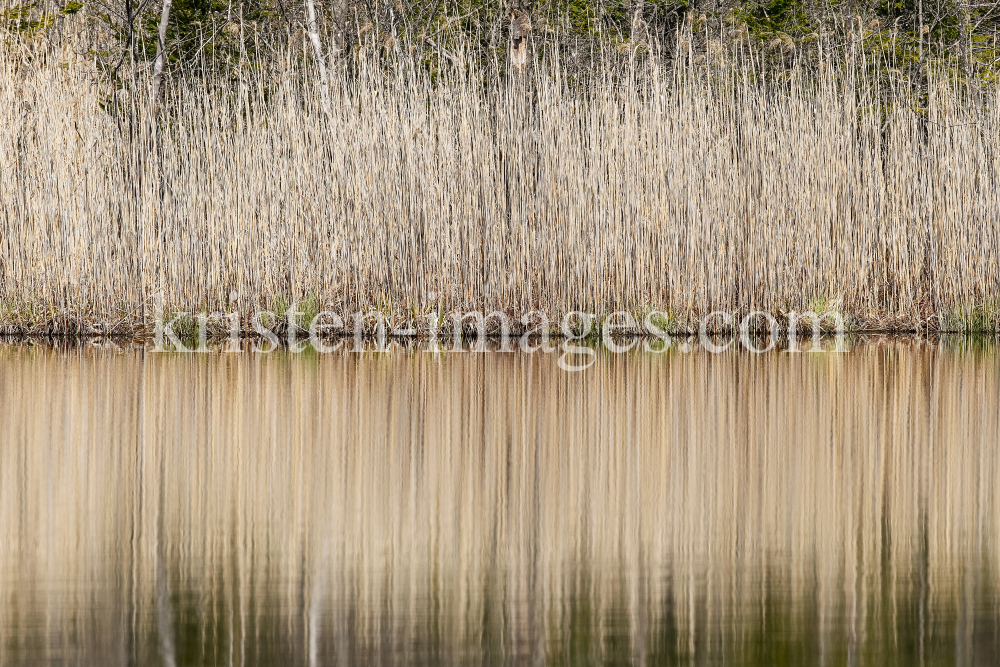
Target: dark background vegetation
(902, 36)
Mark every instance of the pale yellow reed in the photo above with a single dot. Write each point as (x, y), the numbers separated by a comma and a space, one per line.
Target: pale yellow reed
(682, 189)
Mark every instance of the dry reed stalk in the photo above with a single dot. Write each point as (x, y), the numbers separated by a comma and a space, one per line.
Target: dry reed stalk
(683, 189)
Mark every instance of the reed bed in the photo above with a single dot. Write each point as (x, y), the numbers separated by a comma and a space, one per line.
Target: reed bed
(700, 509)
(685, 188)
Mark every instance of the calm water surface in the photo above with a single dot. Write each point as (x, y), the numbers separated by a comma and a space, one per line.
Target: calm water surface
(407, 508)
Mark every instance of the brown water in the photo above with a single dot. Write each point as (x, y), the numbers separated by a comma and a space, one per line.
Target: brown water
(403, 507)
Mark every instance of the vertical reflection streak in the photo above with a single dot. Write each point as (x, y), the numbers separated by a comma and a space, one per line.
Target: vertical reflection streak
(380, 508)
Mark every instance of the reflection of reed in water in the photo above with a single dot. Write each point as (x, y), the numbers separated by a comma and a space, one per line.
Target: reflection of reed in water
(365, 508)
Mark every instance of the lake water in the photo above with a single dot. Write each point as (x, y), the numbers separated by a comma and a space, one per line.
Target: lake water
(410, 508)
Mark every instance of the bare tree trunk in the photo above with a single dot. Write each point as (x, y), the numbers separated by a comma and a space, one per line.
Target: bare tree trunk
(920, 32)
(161, 58)
(520, 34)
(638, 31)
(130, 19)
(339, 43)
(324, 86)
(963, 10)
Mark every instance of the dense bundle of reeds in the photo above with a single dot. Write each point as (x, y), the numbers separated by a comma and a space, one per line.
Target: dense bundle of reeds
(687, 188)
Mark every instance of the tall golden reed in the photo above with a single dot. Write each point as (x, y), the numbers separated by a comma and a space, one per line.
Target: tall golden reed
(686, 189)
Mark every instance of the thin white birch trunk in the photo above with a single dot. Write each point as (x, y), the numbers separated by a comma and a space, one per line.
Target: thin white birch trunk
(324, 86)
(161, 58)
